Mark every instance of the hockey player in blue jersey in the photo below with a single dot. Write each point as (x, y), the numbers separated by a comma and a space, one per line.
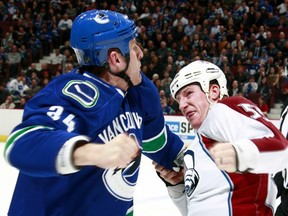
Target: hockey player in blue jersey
(79, 145)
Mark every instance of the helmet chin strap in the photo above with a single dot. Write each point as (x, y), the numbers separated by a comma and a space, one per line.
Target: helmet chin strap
(122, 74)
(211, 102)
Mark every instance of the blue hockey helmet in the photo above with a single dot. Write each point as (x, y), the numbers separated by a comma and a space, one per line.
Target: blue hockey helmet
(94, 32)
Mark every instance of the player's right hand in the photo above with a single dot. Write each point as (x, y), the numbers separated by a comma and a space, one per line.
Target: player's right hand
(118, 152)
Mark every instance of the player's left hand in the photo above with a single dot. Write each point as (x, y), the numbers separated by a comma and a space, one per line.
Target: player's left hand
(170, 176)
(224, 156)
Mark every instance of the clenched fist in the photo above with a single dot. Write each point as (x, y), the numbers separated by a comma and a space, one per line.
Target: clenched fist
(118, 152)
(225, 156)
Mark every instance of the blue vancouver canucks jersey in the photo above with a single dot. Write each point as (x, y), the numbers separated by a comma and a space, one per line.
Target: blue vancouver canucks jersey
(81, 107)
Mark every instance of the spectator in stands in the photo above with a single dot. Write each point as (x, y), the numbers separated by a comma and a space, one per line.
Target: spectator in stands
(32, 69)
(8, 104)
(35, 87)
(66, 47)
(205, 35)
(264, 89)
(280, 43)
(14, 61)
(273, 80)
(16, 87)
(17, 15)
(162, 50)
(57, 58)
(155, 77)
(167, 110)
(11, 9)
(26, 87)
(55, 34)
(262, 73)
(158, 84)
(130, 8)
(68, 67)
(257, 49)
(271, 20)
(4, 92)
(235, 89)
(22, 37)
(165, 82)
(238, 41)
(250, 87)
(224, 62)
(273, 77)
(25, 56)
(244, 7)
(270, 63)
(252, 68)
(262, 104)
(45, 72)
(27, 21)
(190, 28)
(279, 59)
(282, 7)
(263, 59)
(45, 37)
(145, 14)
(170, 63)
(272, 50)
(64, 26)
(36, 48)
(228, 74)
(44, 82)
(71, 11)
(215, 29)
(3, 53)
(3, 10)
(179, 18)
(269, 39)
(235, 57)
(260, 15)
(22, 103)
(5, 41)
(71, 59)
(266, 4)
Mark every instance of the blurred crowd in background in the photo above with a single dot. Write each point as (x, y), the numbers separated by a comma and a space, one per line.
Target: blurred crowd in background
(246, 39)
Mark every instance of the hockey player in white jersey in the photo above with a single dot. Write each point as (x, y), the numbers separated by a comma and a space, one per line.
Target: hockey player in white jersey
(79, 145)
(229, 165)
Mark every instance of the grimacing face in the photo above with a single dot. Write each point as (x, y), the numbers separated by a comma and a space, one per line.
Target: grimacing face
(193, 104)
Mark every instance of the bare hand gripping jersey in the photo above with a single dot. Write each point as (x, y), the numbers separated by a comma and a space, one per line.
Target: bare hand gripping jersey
(261, 149)
(82, 108)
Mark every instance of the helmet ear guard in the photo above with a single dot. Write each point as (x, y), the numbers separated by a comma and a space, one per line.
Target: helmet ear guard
(201, 72)
(94, 32)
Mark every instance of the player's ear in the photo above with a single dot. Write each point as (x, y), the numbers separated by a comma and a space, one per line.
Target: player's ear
(115, 59)
(214, 92)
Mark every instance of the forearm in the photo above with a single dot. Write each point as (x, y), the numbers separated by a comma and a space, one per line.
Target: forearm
(118, 152)
(178, 197)
(41, 151)
(181, 204)
(87, 154)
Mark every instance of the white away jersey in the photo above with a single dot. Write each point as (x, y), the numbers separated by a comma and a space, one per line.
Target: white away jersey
(261, 149)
